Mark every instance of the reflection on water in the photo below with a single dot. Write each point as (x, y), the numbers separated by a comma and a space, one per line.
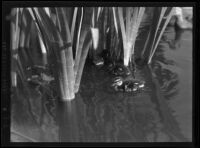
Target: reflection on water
(160, 113)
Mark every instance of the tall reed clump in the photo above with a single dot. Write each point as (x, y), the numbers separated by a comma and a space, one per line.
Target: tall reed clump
(130, 19)
(56, 34)
(161, 17)
(19, 29)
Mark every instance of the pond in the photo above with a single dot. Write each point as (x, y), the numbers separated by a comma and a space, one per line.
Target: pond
(162, 112)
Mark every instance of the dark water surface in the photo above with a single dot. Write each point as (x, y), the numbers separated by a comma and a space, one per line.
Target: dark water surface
(160, 113)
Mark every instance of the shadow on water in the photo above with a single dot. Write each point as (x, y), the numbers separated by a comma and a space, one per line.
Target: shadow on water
(99, 114)
(119, 117)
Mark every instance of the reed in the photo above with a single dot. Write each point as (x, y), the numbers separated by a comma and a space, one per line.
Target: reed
(129, 25)
(56, 29)
(161, 17)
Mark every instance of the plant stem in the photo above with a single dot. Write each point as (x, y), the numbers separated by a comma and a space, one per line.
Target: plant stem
(87, 44)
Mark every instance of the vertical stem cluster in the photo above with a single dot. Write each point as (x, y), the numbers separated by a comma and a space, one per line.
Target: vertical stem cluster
(55, 28)
(129, 25)
(161, 17)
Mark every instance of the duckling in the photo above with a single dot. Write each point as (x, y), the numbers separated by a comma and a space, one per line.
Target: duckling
(119, 69)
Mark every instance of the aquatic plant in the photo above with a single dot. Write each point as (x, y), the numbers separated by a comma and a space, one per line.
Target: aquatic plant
(161, 17)
(129, 26)
(56, 38)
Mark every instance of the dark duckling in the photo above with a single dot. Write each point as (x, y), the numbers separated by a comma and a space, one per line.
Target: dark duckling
(39, 75)
(119, 69)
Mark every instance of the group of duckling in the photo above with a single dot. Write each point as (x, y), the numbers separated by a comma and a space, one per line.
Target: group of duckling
(124, 80)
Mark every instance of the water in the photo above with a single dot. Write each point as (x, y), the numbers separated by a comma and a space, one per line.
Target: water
(160, 113)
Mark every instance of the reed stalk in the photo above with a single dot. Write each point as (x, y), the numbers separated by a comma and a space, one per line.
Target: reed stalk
(15, 34)
(86, 46)
(154, 34)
